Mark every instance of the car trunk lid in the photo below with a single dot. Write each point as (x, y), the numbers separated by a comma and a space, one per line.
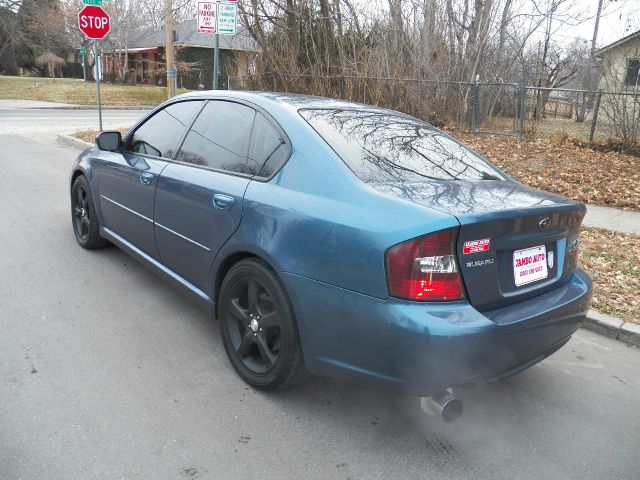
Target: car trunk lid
(514, 242)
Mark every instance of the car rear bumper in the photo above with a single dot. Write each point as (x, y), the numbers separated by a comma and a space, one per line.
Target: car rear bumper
(425, 348)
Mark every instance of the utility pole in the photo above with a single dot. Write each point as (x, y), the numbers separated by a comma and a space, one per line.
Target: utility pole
(169, 49)
(595, 29)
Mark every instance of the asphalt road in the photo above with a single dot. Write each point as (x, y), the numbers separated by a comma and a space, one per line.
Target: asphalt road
(29, 118)
(106, 372)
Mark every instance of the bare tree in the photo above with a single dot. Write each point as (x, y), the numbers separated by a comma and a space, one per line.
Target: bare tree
(50, 61)
(126, 22)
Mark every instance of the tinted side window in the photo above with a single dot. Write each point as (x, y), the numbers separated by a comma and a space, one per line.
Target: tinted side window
(275, 160)
(219, 137)
(159, 135)
(267, 150)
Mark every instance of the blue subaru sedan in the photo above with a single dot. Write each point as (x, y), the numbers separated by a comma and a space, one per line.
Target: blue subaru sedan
(338, 239)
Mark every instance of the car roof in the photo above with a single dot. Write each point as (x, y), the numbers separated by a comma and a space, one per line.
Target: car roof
(291, 101)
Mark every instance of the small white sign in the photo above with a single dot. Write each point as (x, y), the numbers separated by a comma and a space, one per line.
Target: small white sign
(207, 17)
(227, 18)
(530, 265)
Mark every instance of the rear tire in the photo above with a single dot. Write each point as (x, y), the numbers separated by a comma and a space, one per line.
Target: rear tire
(84, 217)
(259, 330)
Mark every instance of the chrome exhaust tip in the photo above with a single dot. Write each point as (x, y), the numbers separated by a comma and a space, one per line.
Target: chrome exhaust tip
(444, 405)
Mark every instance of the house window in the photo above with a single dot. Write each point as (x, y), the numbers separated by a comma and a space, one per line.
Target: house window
(631, 77)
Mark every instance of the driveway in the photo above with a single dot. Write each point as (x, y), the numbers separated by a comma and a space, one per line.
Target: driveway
(106, 372)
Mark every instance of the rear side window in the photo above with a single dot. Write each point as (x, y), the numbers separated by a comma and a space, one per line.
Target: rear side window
(159, 136)
(385, 147)
(267, 149)
(219, 138)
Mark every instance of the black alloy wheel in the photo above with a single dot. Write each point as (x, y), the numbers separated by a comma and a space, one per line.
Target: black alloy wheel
(83, 215)
(259, 331)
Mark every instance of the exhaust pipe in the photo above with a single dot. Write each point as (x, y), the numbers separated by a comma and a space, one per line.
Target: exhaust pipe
(444, 404)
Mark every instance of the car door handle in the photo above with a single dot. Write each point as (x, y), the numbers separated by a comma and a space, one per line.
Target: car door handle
(145, 178)
(223, 202)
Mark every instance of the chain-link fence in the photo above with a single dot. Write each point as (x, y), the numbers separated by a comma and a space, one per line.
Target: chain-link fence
(498, 108)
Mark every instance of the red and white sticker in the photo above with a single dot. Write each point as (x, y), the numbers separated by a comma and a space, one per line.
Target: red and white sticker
(476, 246)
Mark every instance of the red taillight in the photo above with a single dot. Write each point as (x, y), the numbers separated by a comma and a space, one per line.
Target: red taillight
(425, 268)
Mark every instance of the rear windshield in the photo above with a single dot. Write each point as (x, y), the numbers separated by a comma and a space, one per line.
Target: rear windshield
(385, 147)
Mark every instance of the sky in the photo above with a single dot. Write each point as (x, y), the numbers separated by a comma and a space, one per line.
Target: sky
(619, 18)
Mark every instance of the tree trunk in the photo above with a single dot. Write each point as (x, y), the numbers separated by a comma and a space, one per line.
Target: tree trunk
(293, 36)
(330, 51)
(397, 28)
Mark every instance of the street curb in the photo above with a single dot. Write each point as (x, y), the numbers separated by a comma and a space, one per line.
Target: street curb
(613, 327)
(630, 334)
(73, 142)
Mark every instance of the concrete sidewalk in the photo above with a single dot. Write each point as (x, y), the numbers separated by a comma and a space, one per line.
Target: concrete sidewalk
(624, 222)
(10, 104)
(612, 219)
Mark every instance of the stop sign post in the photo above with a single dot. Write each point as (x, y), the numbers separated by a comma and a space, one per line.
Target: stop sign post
(95, 24)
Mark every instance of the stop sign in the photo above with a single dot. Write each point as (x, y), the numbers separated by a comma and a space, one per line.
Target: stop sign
(93, 22)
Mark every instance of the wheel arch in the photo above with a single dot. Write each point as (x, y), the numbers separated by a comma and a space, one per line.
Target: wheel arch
(225, 263)
(76, 173)
(83, 170)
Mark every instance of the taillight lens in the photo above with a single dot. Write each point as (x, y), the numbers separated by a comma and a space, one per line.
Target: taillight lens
(425, 268)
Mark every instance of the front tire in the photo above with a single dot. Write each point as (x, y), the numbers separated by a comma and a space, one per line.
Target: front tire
(259, 330)
(84, 217)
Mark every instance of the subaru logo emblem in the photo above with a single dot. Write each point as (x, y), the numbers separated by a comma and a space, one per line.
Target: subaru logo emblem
(544, 224)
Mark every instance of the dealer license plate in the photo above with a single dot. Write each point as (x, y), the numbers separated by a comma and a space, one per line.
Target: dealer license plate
(530, 265)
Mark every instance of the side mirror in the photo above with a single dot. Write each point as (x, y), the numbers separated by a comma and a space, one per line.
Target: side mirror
(109, 141)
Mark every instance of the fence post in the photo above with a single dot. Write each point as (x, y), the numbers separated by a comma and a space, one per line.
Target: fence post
(522, 97)
(475, 101)
(594, 120)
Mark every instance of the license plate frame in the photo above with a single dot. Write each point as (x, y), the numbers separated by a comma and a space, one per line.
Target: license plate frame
(530, 265)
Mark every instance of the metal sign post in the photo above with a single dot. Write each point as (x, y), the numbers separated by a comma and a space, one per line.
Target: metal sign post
(216, 62)
(98, 73)
(172, 79)
(83, 53)
(95, 24)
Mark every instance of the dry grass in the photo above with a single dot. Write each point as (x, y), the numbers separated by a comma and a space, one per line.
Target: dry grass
(559, 166)
(90, 135)
(550, 127)
(613, 261)
(65, 90)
